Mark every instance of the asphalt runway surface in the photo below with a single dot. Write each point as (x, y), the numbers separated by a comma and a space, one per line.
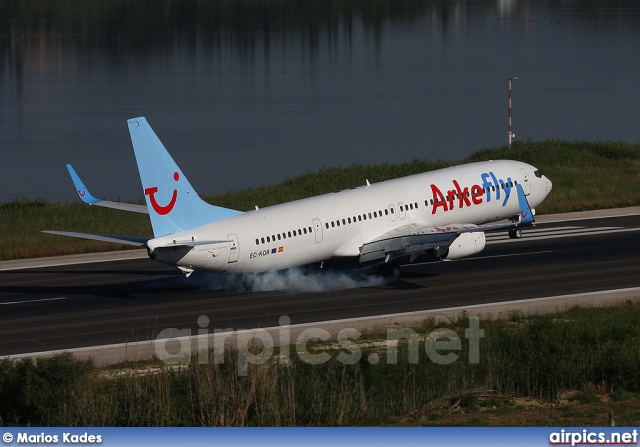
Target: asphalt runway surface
(63, 307)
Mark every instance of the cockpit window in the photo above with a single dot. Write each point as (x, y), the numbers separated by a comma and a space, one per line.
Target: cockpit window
(537, 173)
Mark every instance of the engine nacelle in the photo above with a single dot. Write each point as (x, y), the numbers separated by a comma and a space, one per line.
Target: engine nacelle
(466, 244)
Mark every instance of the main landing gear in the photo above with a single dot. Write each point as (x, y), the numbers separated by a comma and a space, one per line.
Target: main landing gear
(390, 270)
(515, 233)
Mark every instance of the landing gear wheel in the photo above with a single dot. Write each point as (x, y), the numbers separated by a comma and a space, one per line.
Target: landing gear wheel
(391, 271)
(515, 233)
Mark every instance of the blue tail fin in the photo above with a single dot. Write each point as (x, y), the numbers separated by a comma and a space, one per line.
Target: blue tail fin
(526, 216)
(172, 202)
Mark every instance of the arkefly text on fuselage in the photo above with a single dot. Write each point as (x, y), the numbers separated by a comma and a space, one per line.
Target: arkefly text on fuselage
(383, 225)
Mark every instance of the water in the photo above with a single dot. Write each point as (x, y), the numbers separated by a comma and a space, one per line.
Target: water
(245, 92)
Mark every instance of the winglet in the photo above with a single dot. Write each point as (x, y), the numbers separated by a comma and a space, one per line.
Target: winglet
(86, 196)
(526, 216)
(81, 189)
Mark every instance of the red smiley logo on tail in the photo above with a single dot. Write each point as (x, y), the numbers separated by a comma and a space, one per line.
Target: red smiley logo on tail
(83, 192)
(162, 210)
(523, 214)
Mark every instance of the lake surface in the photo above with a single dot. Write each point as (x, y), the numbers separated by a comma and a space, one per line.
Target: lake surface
(245, 93)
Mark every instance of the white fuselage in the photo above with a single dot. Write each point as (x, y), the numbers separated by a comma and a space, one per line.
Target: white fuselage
(336, 225)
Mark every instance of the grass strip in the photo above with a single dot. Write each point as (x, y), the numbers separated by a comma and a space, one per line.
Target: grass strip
(579, 357)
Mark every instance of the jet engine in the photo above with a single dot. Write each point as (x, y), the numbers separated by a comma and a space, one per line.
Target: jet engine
(466, 244)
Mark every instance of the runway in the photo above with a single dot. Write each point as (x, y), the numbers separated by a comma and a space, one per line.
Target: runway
(101, 303)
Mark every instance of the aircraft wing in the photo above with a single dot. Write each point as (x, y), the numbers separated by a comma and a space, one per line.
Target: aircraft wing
(412, 239)
(415, 238)
(86, 196)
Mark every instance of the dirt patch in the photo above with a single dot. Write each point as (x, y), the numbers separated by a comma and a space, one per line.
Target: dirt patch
(482, 407)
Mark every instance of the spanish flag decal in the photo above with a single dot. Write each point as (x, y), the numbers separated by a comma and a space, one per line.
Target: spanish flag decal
(280, 249)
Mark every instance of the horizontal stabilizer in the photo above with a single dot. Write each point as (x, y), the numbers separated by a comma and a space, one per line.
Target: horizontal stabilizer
(86, 197)
(139, 241)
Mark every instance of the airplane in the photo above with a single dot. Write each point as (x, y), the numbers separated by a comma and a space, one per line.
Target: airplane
(438, 214)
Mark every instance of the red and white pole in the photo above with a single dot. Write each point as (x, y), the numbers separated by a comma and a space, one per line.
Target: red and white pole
(511, 134)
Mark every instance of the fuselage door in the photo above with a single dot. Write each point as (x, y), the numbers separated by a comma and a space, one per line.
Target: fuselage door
(317, 228)
(526, 184)
(402, 210)
(392, 213)
(234, 248)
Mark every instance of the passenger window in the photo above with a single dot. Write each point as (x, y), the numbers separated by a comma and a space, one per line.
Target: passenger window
(262, 239)
(257, 241)
(289, 233)
(327, 225)
(284, 235)
(386, 212)
(338, 223)
(310, 230)
(305, 230)
(349, 220)
(391, 210)
(268, 239)
(278, 236)
(370, 216)
(375, 214)
(359, 218)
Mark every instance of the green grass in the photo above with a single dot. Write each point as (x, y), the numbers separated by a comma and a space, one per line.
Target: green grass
(21, 222)
(586, 352)
(585, 175)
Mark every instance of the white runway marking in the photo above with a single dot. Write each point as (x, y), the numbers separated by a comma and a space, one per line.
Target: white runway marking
(554, 233)
(501, 256)
(34, 301)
